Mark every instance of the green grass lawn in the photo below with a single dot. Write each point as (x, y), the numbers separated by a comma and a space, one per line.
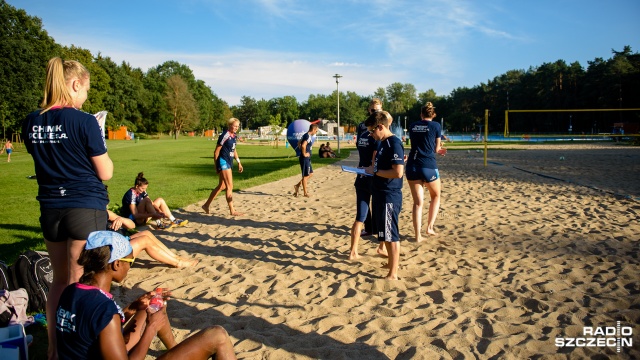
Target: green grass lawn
(181, 171)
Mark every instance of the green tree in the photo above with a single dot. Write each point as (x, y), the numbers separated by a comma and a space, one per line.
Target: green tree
(181, 105)
(247, 111)
(319, 107)
(26, 48)
(277, 124)
(286, 107)
(401, 98)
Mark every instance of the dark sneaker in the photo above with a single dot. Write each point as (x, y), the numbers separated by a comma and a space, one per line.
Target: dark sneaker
(178, 222)
(164, 225)
(365, 233)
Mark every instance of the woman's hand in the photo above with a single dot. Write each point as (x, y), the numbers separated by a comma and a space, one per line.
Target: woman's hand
(442, 151)
(240, 169)
(117, 223)
(369, 169)
(157, 320)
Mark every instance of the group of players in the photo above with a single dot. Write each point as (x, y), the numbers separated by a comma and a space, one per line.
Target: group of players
(382, 155)
(379, 193)
(71, 161)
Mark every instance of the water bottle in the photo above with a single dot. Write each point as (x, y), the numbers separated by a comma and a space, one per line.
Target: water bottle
(157, 301)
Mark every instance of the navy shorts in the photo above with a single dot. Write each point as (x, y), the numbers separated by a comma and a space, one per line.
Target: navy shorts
(420, 173)
(59, 225)
(305, 166)
(363, 198)
(386, 208)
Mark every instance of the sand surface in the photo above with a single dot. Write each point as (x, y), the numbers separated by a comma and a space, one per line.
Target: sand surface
(530, 248)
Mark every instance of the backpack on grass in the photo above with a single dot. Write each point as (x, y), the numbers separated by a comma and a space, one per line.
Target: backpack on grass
(32, 271)
(6, 281)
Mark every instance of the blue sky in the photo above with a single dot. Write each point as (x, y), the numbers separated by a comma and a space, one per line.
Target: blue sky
(273, 48)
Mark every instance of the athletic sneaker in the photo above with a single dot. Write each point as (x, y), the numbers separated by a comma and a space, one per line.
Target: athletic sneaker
(178, 222)
(365, 233)
(164, 225)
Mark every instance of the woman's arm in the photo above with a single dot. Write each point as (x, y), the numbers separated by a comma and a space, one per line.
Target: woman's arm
(155, 322)
(396, 172)
(240, 169)
(216, 153)
(439, 149)
(103, 166)
(119, 221)
(112, 345)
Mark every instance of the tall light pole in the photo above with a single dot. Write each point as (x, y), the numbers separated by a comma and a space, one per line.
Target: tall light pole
(337, 76)
(405, 126)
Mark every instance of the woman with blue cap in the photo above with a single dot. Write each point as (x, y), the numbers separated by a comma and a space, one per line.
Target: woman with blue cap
(90, 325)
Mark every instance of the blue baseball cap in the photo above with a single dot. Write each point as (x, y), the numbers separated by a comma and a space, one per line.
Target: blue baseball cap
(119, 244)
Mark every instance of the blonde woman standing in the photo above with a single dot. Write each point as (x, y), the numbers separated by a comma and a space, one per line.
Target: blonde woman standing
(71, 161)
(223, 156)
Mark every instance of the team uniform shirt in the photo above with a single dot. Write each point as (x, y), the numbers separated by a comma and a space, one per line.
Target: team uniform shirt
(305, 162)
(366, 146)
(131, 197)
(306, 137)
(62, 142)
(390, 152)
(228, 142)
(423, 135)
(386, 199)
(83, 312)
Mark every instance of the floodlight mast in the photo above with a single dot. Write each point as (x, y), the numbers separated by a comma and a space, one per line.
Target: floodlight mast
(337, 76)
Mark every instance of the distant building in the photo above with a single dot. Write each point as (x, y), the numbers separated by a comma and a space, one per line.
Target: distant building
(331, 127)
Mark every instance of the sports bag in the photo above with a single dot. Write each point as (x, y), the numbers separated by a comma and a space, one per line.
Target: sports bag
(6, 281)
(32, 271)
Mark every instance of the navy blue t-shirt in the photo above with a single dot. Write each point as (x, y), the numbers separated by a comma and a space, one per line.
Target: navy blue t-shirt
(306, 137)
(83, 312)
(390, 152)
(228, 142)
(131, 197)
(366, 145)
(62, 142)
(423, 135)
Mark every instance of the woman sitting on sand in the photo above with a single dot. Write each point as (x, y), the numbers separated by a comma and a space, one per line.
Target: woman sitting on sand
(223, 157)
(145, 240)
(422, 169)
(89, 323)
(137, 206)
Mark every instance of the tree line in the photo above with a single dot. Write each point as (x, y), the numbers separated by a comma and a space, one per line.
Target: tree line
(168, 98)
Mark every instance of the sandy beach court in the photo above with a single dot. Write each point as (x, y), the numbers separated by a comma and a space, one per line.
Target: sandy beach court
(530, 249)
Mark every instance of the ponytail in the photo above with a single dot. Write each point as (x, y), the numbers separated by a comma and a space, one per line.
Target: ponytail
(428, 111)
(59, 73)
(94, 261)
(140, 180)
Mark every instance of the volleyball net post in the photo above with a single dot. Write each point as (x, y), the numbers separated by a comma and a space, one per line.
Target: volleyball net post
(486, 134)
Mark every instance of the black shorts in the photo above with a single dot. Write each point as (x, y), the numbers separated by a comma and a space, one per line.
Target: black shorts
(60, 225)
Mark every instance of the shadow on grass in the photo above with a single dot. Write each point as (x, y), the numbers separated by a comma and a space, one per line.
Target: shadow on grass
(19, 241)
(251, 169)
